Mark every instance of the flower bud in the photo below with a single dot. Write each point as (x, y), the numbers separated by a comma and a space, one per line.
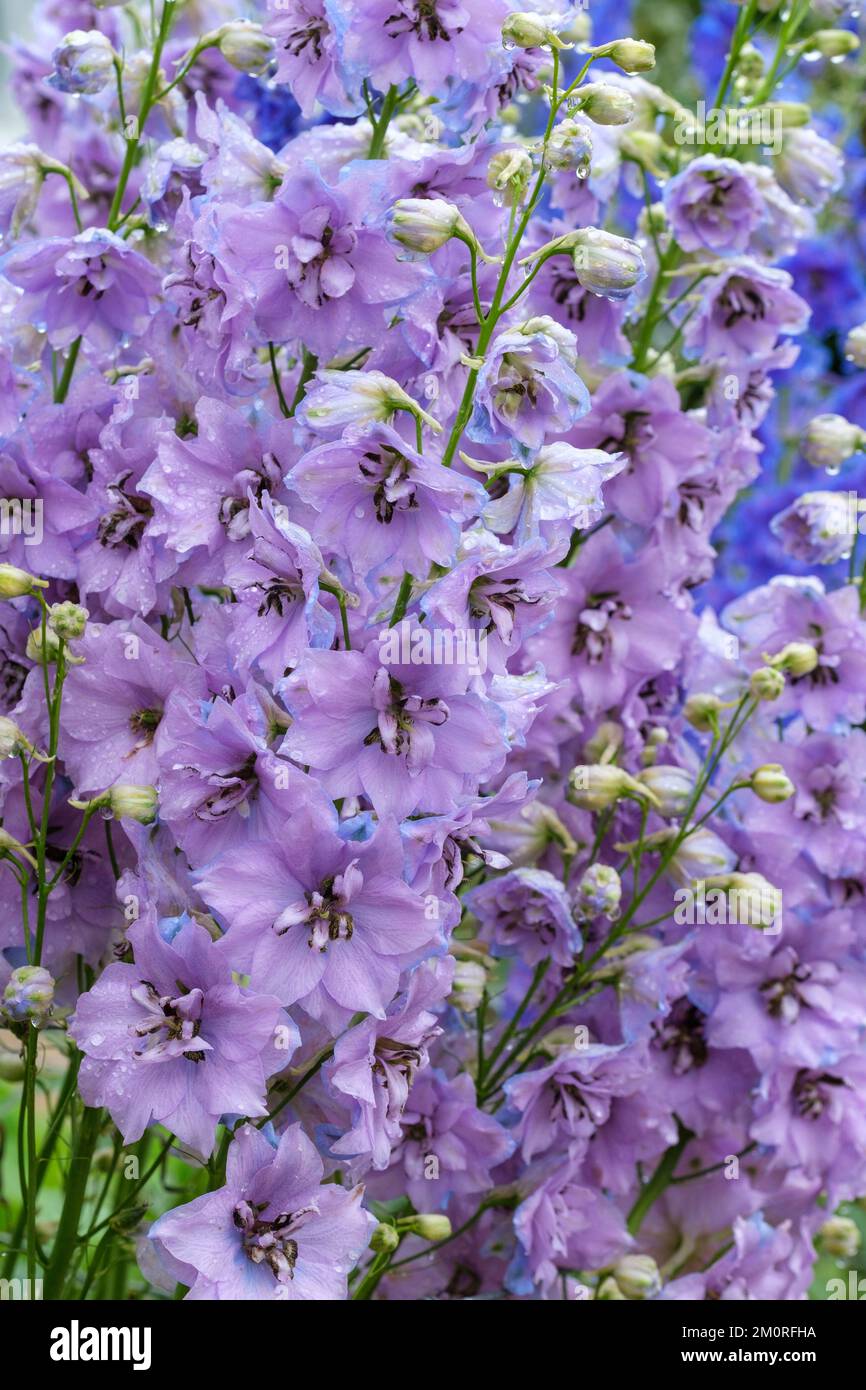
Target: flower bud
(599, 892)
(385, 1239)
(796, 658)
(467, 990)
(245, 45)
(423, 225)
(606, 264)
(527, 30)
(83, 62)
(606, 104)
(632, 55)
(594, 787)
(855, 345)
(672, 787)
(767, 683)
(570, 147)
(35, 651)
(29, 995)
(637, 1276)
(21, 176)
(68, 620)
(840, 1236)
(792, 114)
(831, 440)
(771, 783)
(508, 172)
(430, 1226)
(832, 43)
(128, 802)
(817, 528)
(701, 854)
(12, 740)
(15, 583)
(337, 399)
(751, 899)
(702, 711)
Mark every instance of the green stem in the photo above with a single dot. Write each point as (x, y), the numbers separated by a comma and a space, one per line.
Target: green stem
(278, 385)
(68, 370)
(402, 603)
(31, 1055)
(380, 126)
(309, 363)
(76, 1190)
(660, 1179)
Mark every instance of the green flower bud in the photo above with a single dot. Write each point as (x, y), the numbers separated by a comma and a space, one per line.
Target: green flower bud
(429, 1226)
(702, 711)
(385, 1239)
(128, 802)
(771, 783)
(767, 683)
(246, 46)
(35, 651)
(796, 658)
(831, 440)
(606, 104)
(632, 55)
(423, 225)
(467, 990)
(855, 345)
(840, 1236)
(509, 172)
(832, 43)
(671, 786)
(527, 30)
(15, 583)
(12, 740)
(29, 995)
(68, 620)
(637, 1276)
(595, 786)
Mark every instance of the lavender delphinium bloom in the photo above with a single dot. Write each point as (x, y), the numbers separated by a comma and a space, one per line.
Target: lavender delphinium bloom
(277, 587)
(529, 385)
(744, 311)
(447, 1145)
(309, 56)
(94, 285)
(375, 1064)
(318, 271)
(379, 499)
(527, 912)
(322, 920)
(274, 1231)
(408, 736)
(433, 41)
(713, 205)
(172, 1039)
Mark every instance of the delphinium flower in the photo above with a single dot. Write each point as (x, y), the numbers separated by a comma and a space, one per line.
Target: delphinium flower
(276, 1230)
(329, 922)
(172, 1038)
